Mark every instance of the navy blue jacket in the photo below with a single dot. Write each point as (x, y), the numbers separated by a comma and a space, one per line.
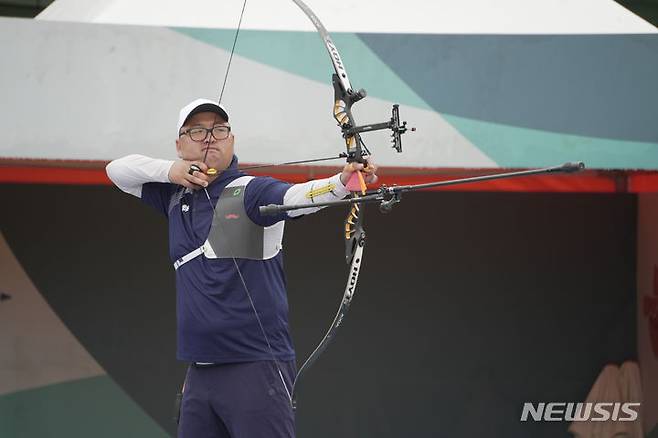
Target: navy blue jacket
(215, 320)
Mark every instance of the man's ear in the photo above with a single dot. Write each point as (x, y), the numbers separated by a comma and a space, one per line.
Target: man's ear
(178, 151)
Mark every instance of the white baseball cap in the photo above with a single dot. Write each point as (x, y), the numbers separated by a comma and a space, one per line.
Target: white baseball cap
(199, 106)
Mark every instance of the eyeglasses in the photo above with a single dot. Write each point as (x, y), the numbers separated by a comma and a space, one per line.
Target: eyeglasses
(199, 133)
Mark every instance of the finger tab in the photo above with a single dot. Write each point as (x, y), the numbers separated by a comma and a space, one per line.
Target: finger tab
(193, 168)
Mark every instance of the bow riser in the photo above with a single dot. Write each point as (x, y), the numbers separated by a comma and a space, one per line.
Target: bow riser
(343, 115)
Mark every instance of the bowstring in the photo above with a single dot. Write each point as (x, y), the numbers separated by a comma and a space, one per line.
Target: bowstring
(230, 59)
(251, 302)
(235, 262)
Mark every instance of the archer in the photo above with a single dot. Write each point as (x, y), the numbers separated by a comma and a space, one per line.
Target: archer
(232, 307)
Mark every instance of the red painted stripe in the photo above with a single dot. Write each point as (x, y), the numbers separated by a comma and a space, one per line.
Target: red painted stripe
(53, 175)
(643, 182)
(589, 181)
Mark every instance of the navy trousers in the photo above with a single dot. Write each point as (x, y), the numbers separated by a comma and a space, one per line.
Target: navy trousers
(237, 400)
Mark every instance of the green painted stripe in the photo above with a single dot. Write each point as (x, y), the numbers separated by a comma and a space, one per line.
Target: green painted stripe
(310, 59)
(93, 407)
(510, 146)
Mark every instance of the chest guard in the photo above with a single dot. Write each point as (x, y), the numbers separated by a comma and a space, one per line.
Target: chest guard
(233, 234)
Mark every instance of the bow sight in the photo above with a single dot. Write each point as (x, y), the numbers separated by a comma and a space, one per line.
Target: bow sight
(344, 98)
(393, 125)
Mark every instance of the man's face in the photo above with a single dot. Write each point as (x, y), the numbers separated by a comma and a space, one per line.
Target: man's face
(217, 153)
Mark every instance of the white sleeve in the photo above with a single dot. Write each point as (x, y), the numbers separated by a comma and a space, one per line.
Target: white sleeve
(318, 190)
(132, 171)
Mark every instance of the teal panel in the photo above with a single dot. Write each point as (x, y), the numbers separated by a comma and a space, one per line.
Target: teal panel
(601, 86)
(93, 407)
(532, 100)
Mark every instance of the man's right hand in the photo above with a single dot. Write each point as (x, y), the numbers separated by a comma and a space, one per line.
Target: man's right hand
(180, 174)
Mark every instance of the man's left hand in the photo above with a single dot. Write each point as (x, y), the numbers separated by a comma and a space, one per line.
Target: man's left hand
(368, 171)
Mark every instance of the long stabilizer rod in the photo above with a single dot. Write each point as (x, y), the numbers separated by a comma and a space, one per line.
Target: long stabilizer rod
(388, 196)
